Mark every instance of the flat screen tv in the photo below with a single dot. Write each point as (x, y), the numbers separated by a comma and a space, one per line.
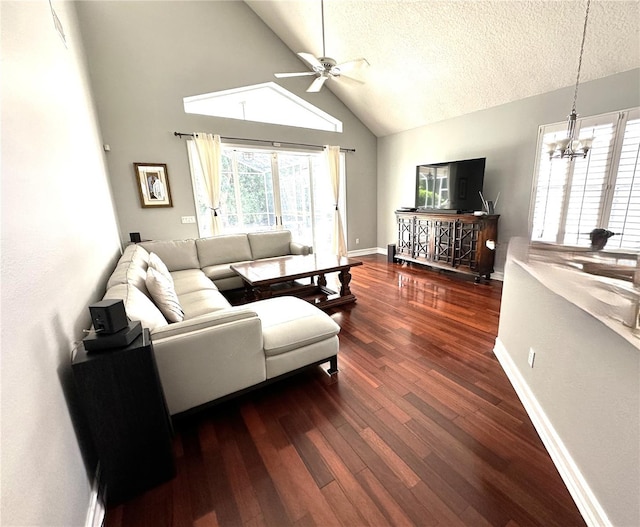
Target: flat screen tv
(454, 186)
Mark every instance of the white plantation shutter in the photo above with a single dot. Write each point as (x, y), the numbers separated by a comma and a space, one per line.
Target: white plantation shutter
(571, 198)
(588, 185)
(625, 206)
(549, 192)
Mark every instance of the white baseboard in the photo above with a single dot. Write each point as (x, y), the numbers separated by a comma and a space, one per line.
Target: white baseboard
(97, 512)
(363, 252)
(591, 510)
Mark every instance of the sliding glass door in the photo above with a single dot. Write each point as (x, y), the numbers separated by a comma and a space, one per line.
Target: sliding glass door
(264, 190)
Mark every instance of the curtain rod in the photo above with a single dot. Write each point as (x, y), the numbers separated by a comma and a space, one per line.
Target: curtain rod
(272, 143)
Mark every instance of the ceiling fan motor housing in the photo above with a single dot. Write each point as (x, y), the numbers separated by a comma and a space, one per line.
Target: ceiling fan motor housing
(329, 66)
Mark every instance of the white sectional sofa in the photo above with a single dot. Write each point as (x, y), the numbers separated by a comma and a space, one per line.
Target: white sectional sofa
(215, 350)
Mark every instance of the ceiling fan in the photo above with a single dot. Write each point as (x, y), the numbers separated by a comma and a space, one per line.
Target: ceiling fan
(325, 67)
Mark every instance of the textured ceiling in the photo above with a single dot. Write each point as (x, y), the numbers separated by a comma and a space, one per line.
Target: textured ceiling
(435, 59)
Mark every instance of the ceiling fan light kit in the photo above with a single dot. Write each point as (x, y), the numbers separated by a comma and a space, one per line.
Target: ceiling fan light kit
(325, 67)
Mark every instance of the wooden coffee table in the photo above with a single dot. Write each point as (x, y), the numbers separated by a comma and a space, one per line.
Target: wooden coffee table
(282, 276)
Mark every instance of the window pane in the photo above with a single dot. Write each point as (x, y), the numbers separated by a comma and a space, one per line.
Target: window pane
(295, 195)
(624, 219)
(228, 194)
(550, 191)
(247, 191)
(587, 188)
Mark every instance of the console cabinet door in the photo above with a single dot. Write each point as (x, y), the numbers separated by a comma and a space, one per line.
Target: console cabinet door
(466, 253)
(405, 235)
(444, 233)
(422, 248)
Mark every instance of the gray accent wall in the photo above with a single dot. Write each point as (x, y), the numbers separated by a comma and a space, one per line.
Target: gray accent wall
(506, 135)
(59, 242)
(144, 57)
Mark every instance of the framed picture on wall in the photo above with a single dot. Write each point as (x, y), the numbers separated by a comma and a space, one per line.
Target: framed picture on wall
(152, 180)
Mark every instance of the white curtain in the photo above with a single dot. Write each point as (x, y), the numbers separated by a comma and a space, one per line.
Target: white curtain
(210, 156)
(332, 154)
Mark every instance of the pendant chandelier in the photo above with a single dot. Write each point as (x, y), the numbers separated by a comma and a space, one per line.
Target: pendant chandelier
(570, 147)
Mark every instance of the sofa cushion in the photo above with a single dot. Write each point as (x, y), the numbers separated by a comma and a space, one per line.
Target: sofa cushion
(128, 273)
(164, 295)
(191, 280)
(269, 244)
(137, 305)
(225, 249)
(156, 263)
(131, 268)
(289, 323)
(203, 302)
(176, 254)
(132, 251)
(217, 272)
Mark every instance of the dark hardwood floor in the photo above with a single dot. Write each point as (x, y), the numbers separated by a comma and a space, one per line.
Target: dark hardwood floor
(422, 427)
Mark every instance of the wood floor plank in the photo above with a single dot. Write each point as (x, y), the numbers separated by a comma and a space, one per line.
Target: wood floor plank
(341, 505)
(181, 515)
(411, 440)
(250, 442)
(292, 425)
(391, 482)
(200, 498)
(363, 503)
(309, 493)
(422, 427)
(395, 514)
(240, 484)
(336, 444)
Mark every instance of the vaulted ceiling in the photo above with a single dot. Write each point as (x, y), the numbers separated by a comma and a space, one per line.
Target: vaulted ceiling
(436, 59)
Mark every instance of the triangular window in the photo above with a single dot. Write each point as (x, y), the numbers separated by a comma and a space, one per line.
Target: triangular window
(264, 103)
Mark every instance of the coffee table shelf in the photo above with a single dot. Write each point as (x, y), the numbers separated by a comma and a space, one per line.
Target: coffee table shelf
(284, 275)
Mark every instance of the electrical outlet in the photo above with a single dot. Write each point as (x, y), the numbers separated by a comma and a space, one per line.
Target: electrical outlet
(357, 241)
(188, 219)
(532, 356)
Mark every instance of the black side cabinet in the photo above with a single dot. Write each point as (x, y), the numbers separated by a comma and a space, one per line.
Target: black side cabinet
(124, 404)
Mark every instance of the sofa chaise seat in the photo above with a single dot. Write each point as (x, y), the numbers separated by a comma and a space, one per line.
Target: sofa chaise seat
(216, 349)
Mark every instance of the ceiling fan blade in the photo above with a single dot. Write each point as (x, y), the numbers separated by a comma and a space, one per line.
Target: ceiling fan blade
(299, 74)
(351, 65)
(311, 60)
(317, 84)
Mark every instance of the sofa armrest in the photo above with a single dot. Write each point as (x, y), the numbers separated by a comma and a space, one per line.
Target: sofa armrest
(216, 318)
(208, 357)
(300, 248)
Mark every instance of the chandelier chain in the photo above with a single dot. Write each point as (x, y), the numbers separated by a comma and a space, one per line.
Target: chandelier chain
(584, 34)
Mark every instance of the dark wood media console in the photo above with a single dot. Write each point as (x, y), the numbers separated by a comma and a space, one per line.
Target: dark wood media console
(463, 243)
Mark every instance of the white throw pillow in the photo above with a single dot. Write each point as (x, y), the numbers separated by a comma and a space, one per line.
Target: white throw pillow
(156, 263)
(164, 295)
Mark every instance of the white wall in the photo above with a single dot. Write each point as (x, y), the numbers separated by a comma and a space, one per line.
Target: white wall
(506, 135)
(59, 238)
(586, 381)
(144, 57)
